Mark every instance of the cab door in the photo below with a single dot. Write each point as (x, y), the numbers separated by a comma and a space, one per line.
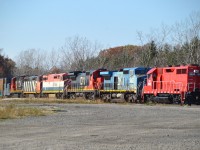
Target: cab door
(154, 77)
(115, 83)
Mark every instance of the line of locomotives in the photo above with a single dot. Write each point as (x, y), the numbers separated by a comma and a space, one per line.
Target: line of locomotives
(173, 84)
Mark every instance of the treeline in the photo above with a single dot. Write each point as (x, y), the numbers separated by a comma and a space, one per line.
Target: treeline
(115, 58)
(167, 45)
(149, 55)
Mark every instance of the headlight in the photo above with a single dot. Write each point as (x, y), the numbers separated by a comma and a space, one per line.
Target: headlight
(196, 71)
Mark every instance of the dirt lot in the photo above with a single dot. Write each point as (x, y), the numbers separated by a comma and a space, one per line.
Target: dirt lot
(105, 126)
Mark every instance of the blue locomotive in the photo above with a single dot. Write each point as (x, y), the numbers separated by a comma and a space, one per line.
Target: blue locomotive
(126, 84)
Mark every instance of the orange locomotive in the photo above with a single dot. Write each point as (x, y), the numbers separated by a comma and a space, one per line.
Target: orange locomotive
(178, 84)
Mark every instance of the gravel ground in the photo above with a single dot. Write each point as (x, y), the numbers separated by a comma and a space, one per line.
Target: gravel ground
(105, 126)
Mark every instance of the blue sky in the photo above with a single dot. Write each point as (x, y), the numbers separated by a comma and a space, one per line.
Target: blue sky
(45, 24)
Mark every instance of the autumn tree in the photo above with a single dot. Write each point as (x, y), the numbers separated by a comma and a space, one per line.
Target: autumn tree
(7, 66)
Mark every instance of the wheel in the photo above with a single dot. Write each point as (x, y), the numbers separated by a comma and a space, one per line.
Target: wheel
(59, 95)
(45, 95)
(36, 95)
(106, 98)
(177, 99)
(86, 96)
(126, 97)
(134, 98)
(103, 97)
(92, 96)
(72, 96)
(148, 98)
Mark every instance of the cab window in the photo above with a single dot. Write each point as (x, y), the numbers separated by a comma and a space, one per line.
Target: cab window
(149, 76)
(126, 72)
(181, 71)
(107, 77)
(138, 72)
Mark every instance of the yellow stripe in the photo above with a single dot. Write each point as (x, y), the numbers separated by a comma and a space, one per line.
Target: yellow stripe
(80, 89)
(16, 91)
(122, 91)
(52, 92)
(31, 93)
(89, 90)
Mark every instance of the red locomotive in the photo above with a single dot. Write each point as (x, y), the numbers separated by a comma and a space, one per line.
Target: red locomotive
(177, 84)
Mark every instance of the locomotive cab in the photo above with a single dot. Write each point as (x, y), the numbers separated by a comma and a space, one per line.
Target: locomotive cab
(16, 86)
(193, 87)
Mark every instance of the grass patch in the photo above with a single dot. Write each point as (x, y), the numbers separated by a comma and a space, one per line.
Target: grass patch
(56, 101)
(11, 111)
(150, 103)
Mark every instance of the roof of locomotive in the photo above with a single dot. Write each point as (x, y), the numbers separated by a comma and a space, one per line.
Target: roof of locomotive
(100, 70)
(134, 68)
(53, 76)
(173, 67)
(30, 77)
(74, 73)
(107, 73)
